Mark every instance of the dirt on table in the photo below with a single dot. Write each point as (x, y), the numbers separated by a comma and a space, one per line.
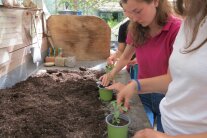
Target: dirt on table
(54, 104)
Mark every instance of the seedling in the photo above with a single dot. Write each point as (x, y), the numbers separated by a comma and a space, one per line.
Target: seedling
(109, 68)
(116, 112)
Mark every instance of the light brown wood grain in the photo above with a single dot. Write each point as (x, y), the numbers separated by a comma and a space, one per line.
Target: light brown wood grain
(86, 37)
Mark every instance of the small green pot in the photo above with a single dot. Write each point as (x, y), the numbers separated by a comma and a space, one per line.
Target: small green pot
(117, 131)
(105, 94)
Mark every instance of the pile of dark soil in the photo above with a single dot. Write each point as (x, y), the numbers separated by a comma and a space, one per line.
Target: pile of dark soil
(53, 104)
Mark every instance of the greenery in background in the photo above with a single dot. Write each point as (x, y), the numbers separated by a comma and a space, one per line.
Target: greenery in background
(112, 23)
(71, 3)
(88, 7)
(51, 6)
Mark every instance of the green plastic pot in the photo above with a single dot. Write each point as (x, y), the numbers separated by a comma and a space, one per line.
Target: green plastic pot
(105, 94)
(117, 131)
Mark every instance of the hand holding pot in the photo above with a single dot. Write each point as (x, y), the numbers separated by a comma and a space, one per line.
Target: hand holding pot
(106, 79)
(116, 86)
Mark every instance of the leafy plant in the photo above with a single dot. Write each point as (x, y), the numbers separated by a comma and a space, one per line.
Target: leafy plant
(71, 3)
(112, 23)
(64, 1)
(116, 112)
(109, 68)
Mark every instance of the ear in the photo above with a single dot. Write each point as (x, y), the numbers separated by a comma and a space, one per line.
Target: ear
(156, 3)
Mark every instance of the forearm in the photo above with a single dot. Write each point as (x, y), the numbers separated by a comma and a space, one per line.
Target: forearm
(155, 84)
(120, 49)
(119, 65)
(118, 53)
(201, 135)
(124, 60)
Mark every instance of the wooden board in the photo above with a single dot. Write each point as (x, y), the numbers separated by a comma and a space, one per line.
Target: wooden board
(17, 28)
(11, 28)
(86, 37)
(18, 35)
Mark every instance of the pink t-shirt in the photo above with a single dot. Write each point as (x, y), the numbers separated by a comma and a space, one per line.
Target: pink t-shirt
(152, 57)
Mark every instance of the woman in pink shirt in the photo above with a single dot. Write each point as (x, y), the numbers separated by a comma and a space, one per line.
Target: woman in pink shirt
(151, 34)
(183, 109)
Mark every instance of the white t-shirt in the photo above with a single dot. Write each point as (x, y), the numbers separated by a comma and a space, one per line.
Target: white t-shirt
(184, 108)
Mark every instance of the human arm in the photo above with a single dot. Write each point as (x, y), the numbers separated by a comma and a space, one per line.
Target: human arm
(149, 133)
(113, 58)
(124, 59)
(159, 83)
(122, 35)
(200, 135)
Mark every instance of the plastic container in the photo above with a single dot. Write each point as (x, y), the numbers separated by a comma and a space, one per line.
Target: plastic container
(60, 61)
(117, 131)
(105, 94)
(70, 61)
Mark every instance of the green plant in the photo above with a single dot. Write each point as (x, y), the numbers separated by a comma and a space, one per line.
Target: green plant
(112, 23)
(116, 112)
(71, 3)
(63, 2)
(109, 68)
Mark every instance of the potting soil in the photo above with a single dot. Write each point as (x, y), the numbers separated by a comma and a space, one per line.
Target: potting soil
(57, 104)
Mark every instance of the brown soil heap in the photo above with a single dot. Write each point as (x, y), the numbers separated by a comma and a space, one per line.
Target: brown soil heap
(53, 104)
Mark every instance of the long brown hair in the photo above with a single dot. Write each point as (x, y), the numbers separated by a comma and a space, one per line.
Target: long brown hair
(191, 9)
(139, 33)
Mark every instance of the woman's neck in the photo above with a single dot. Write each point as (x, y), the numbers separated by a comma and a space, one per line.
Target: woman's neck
(155, 29)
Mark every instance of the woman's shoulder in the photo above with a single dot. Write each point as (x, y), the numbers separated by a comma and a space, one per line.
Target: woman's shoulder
(175, 21)
(173, 24)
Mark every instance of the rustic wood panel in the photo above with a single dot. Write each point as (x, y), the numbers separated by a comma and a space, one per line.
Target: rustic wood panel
(86, 37)
(10, 28)
(18, 33)
(19, 28)
(19, 57)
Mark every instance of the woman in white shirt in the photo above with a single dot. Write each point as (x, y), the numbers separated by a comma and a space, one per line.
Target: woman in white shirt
(183, 110)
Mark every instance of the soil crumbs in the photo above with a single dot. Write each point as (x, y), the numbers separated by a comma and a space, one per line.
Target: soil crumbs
(53, 104)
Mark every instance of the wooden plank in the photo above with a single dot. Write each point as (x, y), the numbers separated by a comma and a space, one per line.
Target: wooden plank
(17, 27)
(10, 27)
(86, 37)
(19, 57)
(17, 36)
(16, 59)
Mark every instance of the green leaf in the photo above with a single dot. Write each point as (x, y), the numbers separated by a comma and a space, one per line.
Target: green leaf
(116, 112)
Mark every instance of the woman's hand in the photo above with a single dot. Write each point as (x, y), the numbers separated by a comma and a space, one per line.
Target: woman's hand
(126, 93)
(106, 79)
(116, 86)
(150, 133)
(111, 60)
